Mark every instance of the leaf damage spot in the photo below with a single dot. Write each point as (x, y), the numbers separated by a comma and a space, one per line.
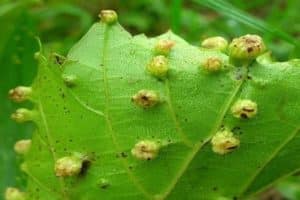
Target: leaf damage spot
(224, 142)
(104, 183)
(12, 193)
(108, 16)
(76, 164)
(23, 115)
(145, 150)
(244, 108)
(158, 66)
(212, 64)
(145, 98)
(215, 43)
(20, 93)
(22, 146)
(163, 47)
(246, 47)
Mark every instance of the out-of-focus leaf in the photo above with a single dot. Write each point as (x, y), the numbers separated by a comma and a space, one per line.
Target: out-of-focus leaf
(225, 8)
(17, 46)
(62, 24)
(290, 188)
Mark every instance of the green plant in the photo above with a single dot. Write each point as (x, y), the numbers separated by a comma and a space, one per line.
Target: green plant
(112, 125)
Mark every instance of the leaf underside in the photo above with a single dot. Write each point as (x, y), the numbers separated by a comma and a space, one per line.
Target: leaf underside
(96, 117)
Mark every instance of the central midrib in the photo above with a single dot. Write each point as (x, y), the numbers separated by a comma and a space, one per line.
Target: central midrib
(108, 117)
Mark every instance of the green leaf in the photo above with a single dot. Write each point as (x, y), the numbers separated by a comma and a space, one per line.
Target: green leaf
(84, 109)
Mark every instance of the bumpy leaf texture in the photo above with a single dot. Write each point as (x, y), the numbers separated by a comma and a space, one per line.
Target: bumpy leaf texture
(85, 106)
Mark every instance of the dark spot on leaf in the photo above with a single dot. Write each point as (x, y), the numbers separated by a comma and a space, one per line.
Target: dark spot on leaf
(244, 116)
(85, 166)
(104, 186)
(124, 155)
(231, 148)
(250, 49)
(248, 109)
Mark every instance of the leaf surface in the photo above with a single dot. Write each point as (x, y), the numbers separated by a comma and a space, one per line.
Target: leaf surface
(96, 117)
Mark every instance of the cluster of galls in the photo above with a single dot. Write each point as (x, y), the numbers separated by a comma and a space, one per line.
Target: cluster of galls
(247, 48)
(21, 147)
(224, 140)
(242, 50)
(158, 67)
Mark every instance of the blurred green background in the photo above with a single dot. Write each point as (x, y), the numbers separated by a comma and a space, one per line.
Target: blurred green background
(59, 24)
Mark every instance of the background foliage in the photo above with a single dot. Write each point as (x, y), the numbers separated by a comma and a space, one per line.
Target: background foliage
(59, 24)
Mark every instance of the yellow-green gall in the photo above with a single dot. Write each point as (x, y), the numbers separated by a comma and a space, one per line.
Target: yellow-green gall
(108, 16)
(103, 183)
(244, 108)
(22, 146)
(145, 150)
(163, 46)
(68, 166)
(22, 115)
(224, 142)
(158, 66)
(24, 167)
(14, 194)
(69, 80)
(247, 47)
(215, 43)
(20, 93)
(145, 98)
(212, 64)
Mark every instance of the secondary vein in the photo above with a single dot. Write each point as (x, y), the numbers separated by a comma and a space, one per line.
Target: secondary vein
(272, 156)
(198, 146)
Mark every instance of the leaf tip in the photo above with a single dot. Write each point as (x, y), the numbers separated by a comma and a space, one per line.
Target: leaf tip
(108, 16)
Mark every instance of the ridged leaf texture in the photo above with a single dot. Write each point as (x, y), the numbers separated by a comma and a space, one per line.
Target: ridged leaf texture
(95, 116)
